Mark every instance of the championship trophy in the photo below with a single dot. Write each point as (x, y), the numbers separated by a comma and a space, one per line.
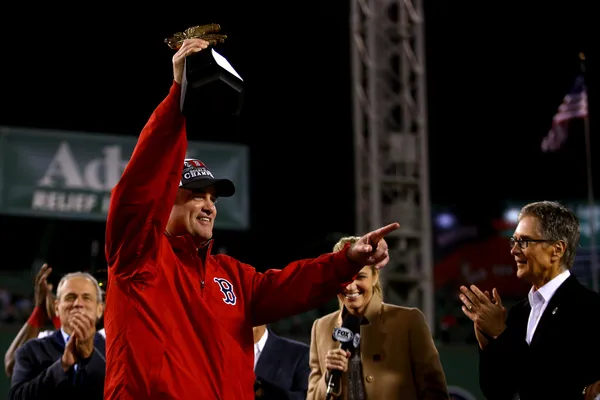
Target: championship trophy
(210, 84)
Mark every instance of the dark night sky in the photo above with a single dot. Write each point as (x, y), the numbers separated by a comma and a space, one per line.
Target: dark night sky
(496, 76)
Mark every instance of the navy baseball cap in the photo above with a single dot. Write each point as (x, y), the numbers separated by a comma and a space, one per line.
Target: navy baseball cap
(196, 175)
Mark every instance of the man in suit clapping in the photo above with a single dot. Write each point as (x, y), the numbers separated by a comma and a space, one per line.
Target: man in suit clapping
(70, 363)
(548, 347)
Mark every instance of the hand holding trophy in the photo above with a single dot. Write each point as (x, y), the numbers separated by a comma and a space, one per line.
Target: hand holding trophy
(207, 75)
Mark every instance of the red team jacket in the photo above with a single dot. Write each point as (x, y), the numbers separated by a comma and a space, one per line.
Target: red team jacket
(179, 319)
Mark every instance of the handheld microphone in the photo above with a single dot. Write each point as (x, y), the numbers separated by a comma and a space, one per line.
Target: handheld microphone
(349, 337)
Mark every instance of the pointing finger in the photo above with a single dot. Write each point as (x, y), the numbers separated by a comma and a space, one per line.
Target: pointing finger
(377, 235)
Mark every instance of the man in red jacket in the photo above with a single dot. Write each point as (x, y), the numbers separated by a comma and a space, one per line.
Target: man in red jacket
(179, 319)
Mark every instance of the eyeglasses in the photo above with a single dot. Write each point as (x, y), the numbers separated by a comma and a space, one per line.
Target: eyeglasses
(524, 243)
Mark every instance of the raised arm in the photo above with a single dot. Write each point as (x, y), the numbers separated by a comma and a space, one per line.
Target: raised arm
(141, 201)
(35, 323)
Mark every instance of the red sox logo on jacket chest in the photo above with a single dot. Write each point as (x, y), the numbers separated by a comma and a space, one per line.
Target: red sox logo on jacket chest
(227, 290)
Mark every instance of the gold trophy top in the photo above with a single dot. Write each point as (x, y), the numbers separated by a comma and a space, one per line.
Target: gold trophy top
(205, 32)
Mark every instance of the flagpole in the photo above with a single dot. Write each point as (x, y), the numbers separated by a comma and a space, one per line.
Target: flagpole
(590, 191)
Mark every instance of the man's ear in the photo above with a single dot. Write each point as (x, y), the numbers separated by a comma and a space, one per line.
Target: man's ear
(558, 250)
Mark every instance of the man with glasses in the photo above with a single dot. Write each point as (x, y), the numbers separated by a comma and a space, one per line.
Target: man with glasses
(548, 347)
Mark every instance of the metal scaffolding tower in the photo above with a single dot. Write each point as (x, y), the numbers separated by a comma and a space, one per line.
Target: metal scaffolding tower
(390, 133)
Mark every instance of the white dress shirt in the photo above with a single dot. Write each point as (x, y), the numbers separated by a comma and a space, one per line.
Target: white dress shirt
(539, 299)
(259, 346)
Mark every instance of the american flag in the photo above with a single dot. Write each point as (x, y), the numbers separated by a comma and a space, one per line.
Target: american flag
(574, 105)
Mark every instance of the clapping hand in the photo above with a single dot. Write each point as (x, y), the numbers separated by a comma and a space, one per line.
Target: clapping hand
(487, 313)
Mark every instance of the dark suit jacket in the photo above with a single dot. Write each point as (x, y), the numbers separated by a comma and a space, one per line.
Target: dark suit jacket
(282, 369)
(564, 352)
(38, 374)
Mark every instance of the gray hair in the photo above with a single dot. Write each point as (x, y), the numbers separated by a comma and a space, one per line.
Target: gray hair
(557, 223)
(84, 275)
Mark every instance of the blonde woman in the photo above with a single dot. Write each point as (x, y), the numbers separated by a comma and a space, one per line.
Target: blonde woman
(396, 358)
